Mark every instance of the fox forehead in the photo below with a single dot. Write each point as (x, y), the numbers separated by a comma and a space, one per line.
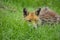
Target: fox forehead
(32, 16)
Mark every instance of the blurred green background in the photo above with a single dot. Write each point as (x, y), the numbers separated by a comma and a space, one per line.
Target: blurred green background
(14, 27)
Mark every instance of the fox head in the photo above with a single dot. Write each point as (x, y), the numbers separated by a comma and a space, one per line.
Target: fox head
(31, 16)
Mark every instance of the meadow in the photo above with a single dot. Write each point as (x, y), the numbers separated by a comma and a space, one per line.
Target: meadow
(14, 27)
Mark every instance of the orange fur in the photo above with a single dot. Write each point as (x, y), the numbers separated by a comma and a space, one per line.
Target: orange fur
(32, 17)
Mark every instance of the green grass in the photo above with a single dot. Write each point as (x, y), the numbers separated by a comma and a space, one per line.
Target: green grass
(14, 27)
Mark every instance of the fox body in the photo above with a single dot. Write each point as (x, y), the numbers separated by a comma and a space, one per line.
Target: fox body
(48, 16)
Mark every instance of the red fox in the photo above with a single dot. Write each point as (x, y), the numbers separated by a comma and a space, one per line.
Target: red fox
(41, 16)
(32, 16)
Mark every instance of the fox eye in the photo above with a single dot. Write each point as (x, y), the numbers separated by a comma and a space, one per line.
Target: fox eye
(29, 20)
(25, 12)
(38, 11)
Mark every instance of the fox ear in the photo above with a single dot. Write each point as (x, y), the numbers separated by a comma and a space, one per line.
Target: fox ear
(38, 11)
(24, 12)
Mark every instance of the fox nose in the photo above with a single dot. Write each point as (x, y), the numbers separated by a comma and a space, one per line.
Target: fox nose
(29, 20)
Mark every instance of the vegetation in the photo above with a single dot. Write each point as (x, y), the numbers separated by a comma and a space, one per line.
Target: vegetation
(14, 27)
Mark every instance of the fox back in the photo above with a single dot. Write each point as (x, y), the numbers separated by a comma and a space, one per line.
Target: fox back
(48, 15)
